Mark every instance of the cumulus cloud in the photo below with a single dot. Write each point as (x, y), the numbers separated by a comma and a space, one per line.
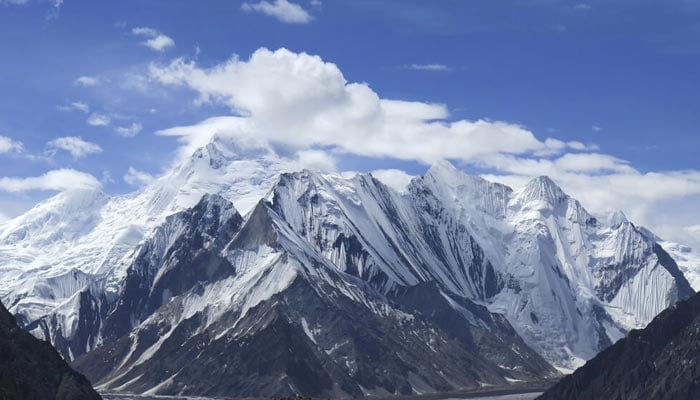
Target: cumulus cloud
(76, 146)
(98, 120)
(282, 10)
(129, 131)
(155, 40)
(86, 81)
(428, 67)
(9, 145)
(135, 177)
(316, 160)
(394, 178)
(55, 180)
(300, 100)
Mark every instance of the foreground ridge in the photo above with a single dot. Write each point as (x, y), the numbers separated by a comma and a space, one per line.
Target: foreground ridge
(32, 369)
(660, 362)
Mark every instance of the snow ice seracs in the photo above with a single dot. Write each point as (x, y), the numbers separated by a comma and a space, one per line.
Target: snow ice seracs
(567, 282)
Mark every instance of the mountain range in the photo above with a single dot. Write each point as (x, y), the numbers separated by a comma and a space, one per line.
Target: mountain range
(235, 275)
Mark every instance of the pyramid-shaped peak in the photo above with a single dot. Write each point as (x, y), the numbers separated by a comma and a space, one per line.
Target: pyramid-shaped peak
(442, 168)
(616, 218)
(445, 172)
(542, 188)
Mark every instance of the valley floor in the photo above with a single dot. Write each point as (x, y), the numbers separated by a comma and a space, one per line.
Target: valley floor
(522, 392)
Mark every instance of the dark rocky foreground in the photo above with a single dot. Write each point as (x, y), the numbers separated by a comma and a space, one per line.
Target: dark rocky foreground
(660, 362)
(31, 369)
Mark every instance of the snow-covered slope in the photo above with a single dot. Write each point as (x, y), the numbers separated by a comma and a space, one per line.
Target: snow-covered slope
(687, 259)
(278, 318)
(87, 271)
(80, 239)
(569, 284)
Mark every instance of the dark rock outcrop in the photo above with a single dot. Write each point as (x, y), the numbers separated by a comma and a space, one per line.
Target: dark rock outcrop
(31, 369)
(660, 362)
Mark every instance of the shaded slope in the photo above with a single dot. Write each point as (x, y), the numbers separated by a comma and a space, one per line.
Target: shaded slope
(286, 321)
(31, 369)
(660, 362)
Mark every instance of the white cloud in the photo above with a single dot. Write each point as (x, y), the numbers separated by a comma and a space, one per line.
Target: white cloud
(14, 2)
(596, 128)
(75, 106)
(86, 81)
(582, 6)
(76, 146)
(98, 120)
(316, 160)
(129, 131)
(300, 100)
(154, 39)
(55, 180)
(282, 10)
(135, 177)
(3, 218)
(81, 106)
(428, 67)
(394, 178)
(9, 145)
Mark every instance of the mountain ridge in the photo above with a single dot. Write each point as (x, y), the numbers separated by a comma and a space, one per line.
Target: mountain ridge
(544, 270)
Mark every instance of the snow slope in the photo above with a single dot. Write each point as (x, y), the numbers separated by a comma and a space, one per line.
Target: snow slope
(81, 238)
(568, 283)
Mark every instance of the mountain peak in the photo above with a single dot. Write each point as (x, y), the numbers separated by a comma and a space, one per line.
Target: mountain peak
(542, 188)
(616, 218)
(443, 168)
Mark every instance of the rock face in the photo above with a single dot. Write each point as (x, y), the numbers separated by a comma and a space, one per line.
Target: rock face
(660, 362)
(473, 281)
(31, 369)
(275, 317)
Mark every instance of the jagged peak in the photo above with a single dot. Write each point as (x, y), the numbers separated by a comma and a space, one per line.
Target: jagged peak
(616, 218)
(444, 172)
(542, 188)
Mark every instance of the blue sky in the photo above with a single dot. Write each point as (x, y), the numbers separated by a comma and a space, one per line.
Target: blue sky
(619, 77)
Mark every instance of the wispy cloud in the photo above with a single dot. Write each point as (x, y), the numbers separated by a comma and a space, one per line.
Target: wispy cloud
(154, 39)
(86, 81)
(428, 67)
(129, 131)
(54, 180)
(282, 10)
(134, 177)
(75, 106)
(582, 6)
(98, 120)
(76, 146)
(9, 145)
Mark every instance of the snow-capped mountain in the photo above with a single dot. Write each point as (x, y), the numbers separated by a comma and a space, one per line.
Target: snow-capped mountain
(84, 239)
(346, 281)
(279, 318)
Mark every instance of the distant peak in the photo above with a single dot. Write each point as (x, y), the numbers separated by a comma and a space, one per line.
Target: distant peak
(442, 166)
(616, 218)
(542, 188)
